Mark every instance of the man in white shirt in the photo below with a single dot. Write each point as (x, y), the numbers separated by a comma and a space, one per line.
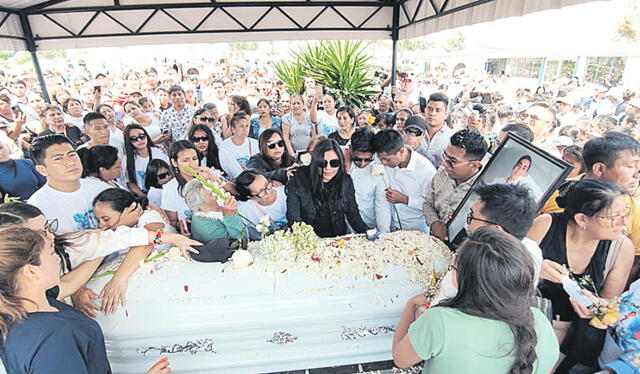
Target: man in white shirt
(507, 207)
(218, 97)
(66, 197)
(374, 208)
(406, 174)
(96, 126)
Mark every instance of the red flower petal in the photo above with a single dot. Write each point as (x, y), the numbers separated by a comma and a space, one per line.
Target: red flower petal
(186, 288)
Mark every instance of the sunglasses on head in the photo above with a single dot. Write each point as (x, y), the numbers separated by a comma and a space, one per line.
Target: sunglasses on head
(198, 139)
(359, 159)
(206, 119)
(136, 138)
(279, 144)
(413, 131)
(163, 175)
(333, 163)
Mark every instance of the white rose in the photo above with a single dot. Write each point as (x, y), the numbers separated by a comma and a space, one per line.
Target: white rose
(377, 170)
(305, 159)
(241, 259)
(174, 253)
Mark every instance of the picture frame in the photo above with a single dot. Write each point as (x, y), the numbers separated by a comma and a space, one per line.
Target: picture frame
(543, 175)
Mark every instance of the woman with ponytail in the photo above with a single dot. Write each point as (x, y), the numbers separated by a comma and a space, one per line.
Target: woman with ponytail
(489, 326)
(40, 334)
(587, 239)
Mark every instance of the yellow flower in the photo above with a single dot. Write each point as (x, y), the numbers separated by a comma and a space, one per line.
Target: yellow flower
(341, 243)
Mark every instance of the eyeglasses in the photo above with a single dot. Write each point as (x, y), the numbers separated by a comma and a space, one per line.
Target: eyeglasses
(279, 144)
(471, 217)
(332, 163)
(452, 162)
(358, 159)
(413, 132)
(163, 175)
(198, 139)
(51, 225)
(617, 220)
(262, 193)
(205, 119)
(134, 139)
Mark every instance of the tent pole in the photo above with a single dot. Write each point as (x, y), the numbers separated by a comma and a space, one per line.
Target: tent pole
(395, 28)
(31, 47)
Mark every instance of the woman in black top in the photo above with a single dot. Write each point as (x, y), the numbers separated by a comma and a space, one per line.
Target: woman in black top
(322, 194)
(580, 238)
(273, 159)
(347, 122)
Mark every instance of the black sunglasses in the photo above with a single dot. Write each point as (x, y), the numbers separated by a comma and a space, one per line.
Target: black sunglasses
(163, 175)
(333, 163)
(414, 132)
(272, 145)
(358, 159)
(206, 119)
(198, 139)
(134, 139)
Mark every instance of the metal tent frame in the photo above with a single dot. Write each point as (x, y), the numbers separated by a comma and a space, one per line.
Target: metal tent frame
(34, 25)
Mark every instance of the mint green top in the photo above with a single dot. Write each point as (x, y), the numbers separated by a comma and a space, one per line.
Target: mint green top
(451, 341)
(206, 229)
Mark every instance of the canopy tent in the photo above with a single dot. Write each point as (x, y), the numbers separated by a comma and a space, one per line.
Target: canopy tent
(59, 24)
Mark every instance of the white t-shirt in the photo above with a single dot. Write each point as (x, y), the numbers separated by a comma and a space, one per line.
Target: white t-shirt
(173, 201)
(277, 211)
(227, 162)
(77, 121)
(240, 153)
(152, 129)
(154, 195)
(448, 288)
(141, 166)
(326, 123)
(97, 243)
(74, 210)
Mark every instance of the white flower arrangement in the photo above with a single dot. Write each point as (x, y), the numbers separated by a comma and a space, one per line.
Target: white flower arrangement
(424, 259)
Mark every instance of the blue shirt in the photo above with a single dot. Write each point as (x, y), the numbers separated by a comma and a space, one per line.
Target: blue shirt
(19, 178)
(255, 130)
(66, 341)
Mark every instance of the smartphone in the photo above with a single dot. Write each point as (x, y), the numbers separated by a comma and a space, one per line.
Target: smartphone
(16, 110)
(165, 132)
(278, 106)
(423, 103)
(97, 89)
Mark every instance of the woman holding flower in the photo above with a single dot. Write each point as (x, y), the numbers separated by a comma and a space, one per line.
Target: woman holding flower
(212, 217)
(322, 194)
(585, 241)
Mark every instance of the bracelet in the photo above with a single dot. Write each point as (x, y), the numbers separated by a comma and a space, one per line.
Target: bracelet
(158, 239)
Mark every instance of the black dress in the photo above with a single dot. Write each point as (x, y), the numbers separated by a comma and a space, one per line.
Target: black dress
(583, 342)
(338, 138)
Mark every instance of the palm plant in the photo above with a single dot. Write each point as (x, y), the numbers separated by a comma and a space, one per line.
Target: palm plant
(342, 67)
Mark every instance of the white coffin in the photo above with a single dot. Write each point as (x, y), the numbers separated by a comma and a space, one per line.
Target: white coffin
(214, 318)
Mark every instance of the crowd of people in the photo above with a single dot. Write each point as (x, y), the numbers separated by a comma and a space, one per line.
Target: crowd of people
(116, 162)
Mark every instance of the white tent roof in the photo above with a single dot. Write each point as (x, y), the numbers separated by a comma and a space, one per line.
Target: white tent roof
(61, 24)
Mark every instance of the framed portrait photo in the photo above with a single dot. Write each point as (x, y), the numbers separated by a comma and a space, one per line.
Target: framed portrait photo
(515, 161)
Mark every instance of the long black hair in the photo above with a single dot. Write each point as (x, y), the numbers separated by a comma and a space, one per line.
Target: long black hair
(151, 176)
(495, 276)
(243, 181)
(130, 151)
(317, 159)
(286, 159)
(213, 153)
(119, 199)
(176, 148)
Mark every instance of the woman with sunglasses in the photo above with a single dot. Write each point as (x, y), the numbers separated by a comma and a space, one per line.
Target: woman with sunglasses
(322, 194)
(138, 152)
(257, 198)
(212, 156)
(346, 126)
(150, 122)
(158, 174)
(39, 333)
(489, 326)
(204, 117)
(587, 238)
(264, 120)
(273, 160)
